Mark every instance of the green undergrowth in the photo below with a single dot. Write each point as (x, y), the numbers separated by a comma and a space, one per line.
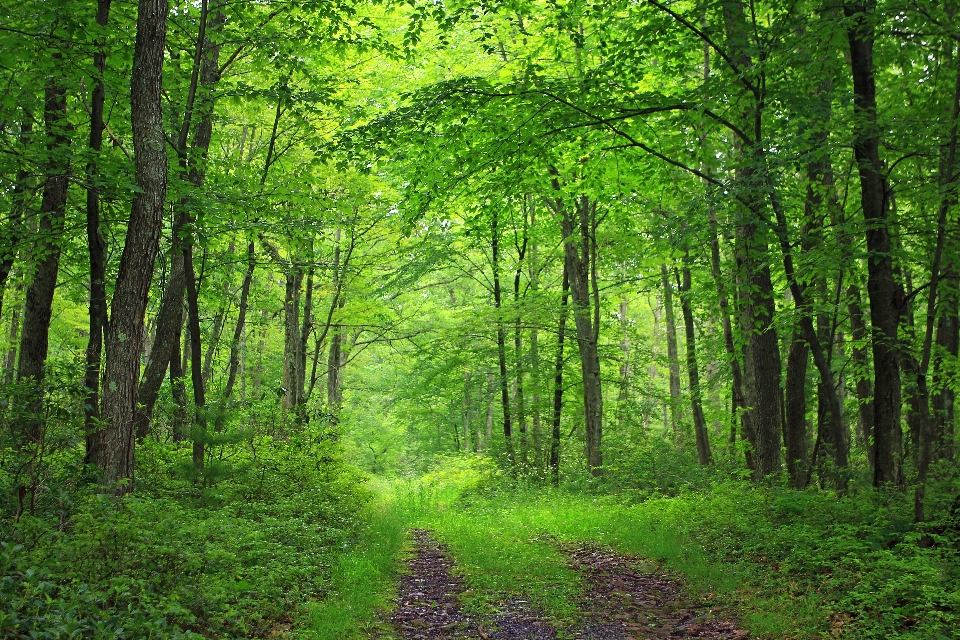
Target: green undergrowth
(363, 577)
(233, 553)
(788, 564)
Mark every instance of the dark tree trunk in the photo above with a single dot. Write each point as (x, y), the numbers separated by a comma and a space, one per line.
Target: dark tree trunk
(737, 396)
(518, 400)
(34, 336)
(199, 431)
(216, 331)
(861, 366)
(795, 427)
(95, 242)
(886, 294)
(114, 447)
(501, 339)
(673, 356)
(558, 378)
(169, 325)
(704, 455)
(580, 249)
(170, 316)
(11, 235)
(291, 337)
(761, 358)
(241, 320)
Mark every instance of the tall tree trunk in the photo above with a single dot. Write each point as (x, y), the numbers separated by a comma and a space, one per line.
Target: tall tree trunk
(206, 74)
(291, 337)
(216, 331)
(501, 340)
(948, 182)
(673, 357)
(886, 294)
(169, 325)
(704, 455)
(737, 394)
(199, 431)
(34, 336)
(518, 403)
(114, 452)
(579, 232)
(11, 235)
(95, 242)
(558, 378)
(10, 355)
(335, 331)
(239, 330)
(305, 329)
(623, 398)
(535, 382)
(795, 424)
(861, 369)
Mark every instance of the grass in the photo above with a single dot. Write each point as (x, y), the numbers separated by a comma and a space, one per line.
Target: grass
(789, 565)
(362, 579)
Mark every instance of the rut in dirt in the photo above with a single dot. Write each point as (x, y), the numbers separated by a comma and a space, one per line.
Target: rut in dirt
(427, 605)
(623, 600)
(627, 599)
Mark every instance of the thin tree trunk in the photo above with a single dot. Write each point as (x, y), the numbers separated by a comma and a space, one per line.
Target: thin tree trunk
(673, 358)
(291, 337)
(10, 356)
(861, 368)
(216, 331)
(12, 232)
(704, 455)
(95, 242)
(558, 378)
(114, 451)
(501, 342)
(239, 330)
(518, 349)
(948, 183)
(535, 381)
(623, 398)
(199, 431)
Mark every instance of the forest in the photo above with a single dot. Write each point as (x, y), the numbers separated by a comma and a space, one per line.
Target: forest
(603, 318)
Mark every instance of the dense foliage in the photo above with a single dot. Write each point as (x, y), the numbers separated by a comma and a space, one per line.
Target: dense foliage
(683, 267)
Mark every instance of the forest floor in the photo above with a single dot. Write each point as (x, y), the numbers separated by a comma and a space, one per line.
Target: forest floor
(624, 598)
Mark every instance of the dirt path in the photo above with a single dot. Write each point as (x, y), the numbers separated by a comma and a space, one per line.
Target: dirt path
(624, 600)
(427, 606)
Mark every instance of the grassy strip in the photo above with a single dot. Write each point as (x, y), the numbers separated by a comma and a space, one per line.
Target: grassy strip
(363, 578)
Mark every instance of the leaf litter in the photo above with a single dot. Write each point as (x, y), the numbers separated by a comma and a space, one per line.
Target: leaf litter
(624, 600)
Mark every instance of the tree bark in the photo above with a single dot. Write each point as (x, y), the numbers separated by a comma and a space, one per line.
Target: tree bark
(795, 425)
(558, 378)
(34, 335)
(13, 231)
(704, 455)
(673, 357)
(579, 233)
(501, 340)
(238, 331)
(518, 401)
(886, 294)
(114, 452)
(170, 315)
(95, 243)
(199, 431)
